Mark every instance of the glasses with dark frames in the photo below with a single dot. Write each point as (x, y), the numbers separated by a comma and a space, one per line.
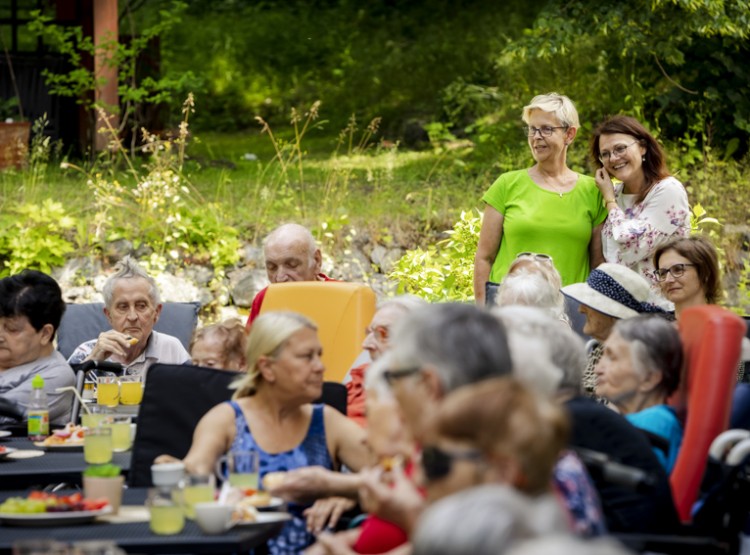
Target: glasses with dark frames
(437, 463)
(677, 270)
(392, 376)
(544, 130)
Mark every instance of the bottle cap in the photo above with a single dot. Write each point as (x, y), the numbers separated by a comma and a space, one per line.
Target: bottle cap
(37, 382)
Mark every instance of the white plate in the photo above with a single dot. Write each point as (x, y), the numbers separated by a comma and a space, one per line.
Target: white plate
(4, 433)
(52, 519)
(273, 504)
(265, 518)
(5, 451)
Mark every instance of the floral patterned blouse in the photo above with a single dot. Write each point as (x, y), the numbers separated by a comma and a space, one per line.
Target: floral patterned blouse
(633, 231)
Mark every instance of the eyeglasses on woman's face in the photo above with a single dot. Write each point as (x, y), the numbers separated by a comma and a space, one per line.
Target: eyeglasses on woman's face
(535, 255)
(544, 130)
(438, 463)
(677, 271)
(392, 376)
(617, 151)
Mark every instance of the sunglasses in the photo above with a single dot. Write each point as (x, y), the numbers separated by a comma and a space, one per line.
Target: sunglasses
(438, 463)
(535, 255)
(677, 270)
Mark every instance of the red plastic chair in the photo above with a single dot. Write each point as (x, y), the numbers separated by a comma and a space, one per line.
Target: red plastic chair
(711, 338)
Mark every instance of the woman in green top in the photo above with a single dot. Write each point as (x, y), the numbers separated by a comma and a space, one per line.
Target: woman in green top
(547, 208)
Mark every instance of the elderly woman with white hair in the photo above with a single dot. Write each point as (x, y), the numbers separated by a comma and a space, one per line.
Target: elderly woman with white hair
(547, 208)
(542, 349)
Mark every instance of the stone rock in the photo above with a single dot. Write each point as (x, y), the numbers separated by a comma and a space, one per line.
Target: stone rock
(252, 255)
(77, 271)
(179, 289)
(385, 258)
(201, 275)
(244, 283)
(353, 266)
(81, 294)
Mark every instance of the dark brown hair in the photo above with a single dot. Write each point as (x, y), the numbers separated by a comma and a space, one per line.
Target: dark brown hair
(699, 251)
(500, 416)
(654, 163)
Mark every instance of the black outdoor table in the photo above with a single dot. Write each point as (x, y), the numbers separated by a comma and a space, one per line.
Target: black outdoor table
(51, 468)
(137, 538)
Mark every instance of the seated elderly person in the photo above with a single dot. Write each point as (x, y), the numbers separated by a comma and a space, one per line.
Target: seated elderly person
(376, 343)
(271, 412)
(291, 255)
(132, 306)
(433, 351)
(611, 292)
(220, 345)
(31, 307)
(639, 370)
(595, 427)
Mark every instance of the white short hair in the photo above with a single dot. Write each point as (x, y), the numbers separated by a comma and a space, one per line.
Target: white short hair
(554, 103)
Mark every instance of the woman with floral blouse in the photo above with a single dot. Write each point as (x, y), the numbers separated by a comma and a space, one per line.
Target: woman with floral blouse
(648, 206)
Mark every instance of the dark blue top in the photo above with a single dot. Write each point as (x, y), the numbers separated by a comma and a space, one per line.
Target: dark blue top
(313, 451)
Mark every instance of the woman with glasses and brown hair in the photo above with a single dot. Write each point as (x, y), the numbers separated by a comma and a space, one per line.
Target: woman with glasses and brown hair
(547, 208)
(648, 206)
(220, 345)
(687, 270)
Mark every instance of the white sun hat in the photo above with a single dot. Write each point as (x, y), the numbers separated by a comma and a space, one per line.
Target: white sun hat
(614, 290)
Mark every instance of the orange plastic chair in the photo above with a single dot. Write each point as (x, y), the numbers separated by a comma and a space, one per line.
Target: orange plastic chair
(341, 311)
(711, 338)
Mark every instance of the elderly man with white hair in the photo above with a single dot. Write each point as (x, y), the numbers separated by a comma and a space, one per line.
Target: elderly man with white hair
(290, 254)
(132, 305)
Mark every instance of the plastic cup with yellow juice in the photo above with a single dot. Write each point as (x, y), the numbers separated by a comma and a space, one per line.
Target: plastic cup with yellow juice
(198, 488)
(97, 416)
(120, 426)
(97, 445)
(131, 390)
(107, 391)
(167, 516)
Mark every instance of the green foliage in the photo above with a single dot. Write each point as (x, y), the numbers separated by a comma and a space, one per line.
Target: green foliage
(33, 236)
(102, 471)
(81, 82)
(444, 271)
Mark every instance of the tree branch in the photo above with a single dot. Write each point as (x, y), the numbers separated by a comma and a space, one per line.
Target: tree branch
(675, 83)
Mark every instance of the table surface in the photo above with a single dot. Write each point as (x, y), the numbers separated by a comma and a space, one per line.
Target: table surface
(52, 467)
(137, 538)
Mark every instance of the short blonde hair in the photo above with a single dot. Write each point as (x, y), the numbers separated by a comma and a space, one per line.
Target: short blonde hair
(554, 103)
(268, 337)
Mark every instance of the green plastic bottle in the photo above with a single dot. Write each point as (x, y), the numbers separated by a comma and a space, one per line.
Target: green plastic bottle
(37, 413)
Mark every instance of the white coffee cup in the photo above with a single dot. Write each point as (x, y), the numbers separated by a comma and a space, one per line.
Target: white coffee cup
(167, 474)
(213, 517)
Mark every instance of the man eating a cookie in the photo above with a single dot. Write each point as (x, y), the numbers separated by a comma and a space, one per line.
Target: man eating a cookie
(132, 306)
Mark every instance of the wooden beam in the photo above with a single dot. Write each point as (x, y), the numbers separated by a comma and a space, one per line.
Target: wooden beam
(105, 30)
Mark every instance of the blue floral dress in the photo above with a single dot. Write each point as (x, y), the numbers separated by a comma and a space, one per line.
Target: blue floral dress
(313, 451)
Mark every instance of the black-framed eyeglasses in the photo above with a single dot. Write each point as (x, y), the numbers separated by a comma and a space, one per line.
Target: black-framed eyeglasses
(535, 255)
(392, 376)
(437, 463)
(677, 270)
(618, 151)
(544, 130)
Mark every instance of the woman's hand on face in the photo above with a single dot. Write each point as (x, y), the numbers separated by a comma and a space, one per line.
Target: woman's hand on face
(604, 183)
(325, 513)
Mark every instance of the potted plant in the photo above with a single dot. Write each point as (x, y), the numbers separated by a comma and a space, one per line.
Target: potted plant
(104, 480)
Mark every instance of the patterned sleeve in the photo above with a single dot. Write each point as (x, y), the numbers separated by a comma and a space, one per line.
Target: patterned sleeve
(82, 351)
(664, 213)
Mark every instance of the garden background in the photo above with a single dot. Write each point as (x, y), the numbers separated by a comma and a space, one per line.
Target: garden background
(378, 124)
